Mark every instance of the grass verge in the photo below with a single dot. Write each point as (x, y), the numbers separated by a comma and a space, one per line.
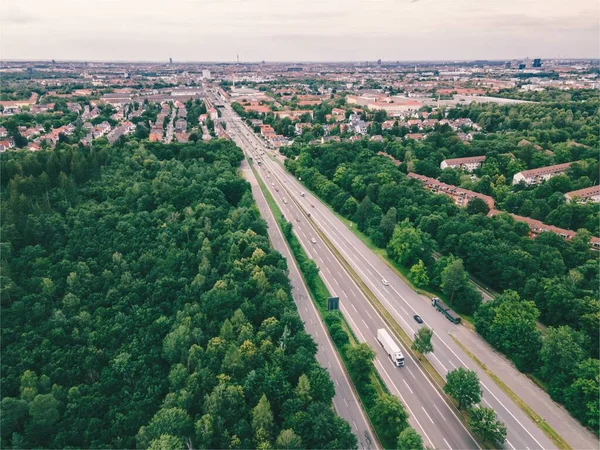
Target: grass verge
(402, 272)
(339, 330)
(544, 426)
(424, 363)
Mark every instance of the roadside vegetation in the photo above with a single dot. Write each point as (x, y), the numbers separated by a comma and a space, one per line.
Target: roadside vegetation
(546, 279)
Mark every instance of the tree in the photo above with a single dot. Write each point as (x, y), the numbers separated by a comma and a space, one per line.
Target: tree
(422, 342)
(172, 421)
(477, 206)
(581, 398)
(409, 244)
(463, 385)
(360, 360)
(387, 225)
(454, 277)
(167, 442)
(409, 439)
(484, 422)
(288, 440)
(389, 416)
(509, 324)
(44, 414)
(562, 350)
(418, 274)
(303, 388)
(262, 417)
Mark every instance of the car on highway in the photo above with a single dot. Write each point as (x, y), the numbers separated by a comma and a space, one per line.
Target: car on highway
(385, 282)
(418, 318)
(313, 240)
(276, 190)
(297, 219)
(302, 194)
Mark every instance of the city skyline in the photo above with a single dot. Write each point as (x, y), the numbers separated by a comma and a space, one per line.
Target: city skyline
(331, 30)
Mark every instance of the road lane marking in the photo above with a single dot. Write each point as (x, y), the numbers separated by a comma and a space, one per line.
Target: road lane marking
(440, 363)
(350, 260)
(512, 446)
(365, 323)
(498, 400)
(411, 391)
(404, 402)
(347, 406)
(439, 412)
(428, 416)
(354, 307)
(447, 443)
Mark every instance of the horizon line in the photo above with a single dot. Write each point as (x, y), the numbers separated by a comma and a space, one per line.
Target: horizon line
(234, 62)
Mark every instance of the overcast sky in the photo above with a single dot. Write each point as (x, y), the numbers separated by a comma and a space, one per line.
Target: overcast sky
(301, 30)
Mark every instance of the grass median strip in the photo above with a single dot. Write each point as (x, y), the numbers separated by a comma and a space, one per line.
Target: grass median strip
(319, 295)
(424, 363)
(544, 426)
(467, 322)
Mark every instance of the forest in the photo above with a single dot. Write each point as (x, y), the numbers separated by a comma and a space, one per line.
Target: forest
(142, 306)
(546, 279)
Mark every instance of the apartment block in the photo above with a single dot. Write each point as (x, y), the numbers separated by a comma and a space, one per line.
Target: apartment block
(590, 194)
(469, 164)
(535, 176)
(460, 196)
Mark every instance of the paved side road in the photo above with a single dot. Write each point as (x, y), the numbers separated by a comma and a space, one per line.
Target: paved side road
(345, 401)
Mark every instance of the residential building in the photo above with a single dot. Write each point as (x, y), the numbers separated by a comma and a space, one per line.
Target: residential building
(590, 194)
(460, 196)
(535, 176)
(469, 164)
(536, 227)
(300, 127)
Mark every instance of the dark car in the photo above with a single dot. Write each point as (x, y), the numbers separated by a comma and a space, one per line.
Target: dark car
(418, 318)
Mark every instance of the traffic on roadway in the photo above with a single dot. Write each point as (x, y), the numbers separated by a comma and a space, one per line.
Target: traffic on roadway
(430, 414)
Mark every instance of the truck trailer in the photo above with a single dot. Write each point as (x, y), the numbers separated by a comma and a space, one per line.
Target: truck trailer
(445, 310)
(390, 346)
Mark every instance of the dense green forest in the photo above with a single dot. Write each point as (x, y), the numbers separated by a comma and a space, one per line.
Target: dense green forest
(143, 306)
(556, 281)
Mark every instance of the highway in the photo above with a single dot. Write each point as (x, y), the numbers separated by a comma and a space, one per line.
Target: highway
(402, 302)
(345, 401)
(429, 413)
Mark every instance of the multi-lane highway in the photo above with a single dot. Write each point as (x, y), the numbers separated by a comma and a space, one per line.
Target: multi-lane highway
(429, 415)
(345, 401)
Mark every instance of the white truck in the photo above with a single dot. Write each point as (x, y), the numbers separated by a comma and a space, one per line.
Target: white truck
(390, 346)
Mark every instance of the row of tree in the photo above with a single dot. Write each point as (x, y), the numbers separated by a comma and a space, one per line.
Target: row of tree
(143, 306)
(561, 278)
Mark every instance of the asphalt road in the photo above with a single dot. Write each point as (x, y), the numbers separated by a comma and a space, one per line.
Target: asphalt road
(402, 302)
(345, 401)
(429, 413)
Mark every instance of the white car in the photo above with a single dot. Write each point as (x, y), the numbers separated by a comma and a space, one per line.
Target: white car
(313, 240)
(385, 282)
(302, 194)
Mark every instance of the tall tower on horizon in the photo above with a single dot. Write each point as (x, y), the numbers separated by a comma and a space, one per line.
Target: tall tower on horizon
(238, 58)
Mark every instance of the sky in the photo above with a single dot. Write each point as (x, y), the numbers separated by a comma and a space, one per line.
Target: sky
(298, 30)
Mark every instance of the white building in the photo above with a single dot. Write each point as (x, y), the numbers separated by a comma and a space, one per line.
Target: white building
(535, 176)
(469, 164)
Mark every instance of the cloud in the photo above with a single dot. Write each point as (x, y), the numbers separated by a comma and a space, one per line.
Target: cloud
(16, 16)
